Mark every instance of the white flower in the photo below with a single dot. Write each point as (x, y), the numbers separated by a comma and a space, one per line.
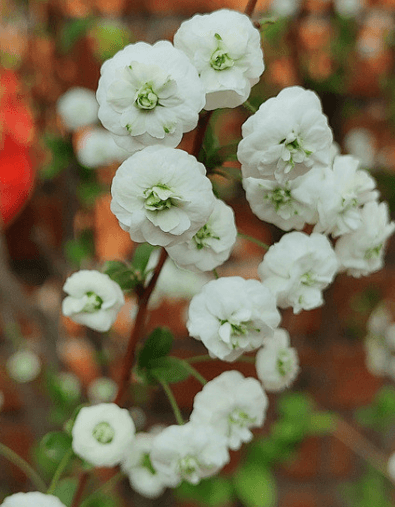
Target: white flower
(211, 245)
(349, 8)
(23, 366)
(162, 196)
(137, 466)
(380, 342)
(231, 404)
(277, 363)
(189, 452)
(225, 48)
(285, 8)
(345, 189)
(149, 95)
(391, 466)
(102, 433)
(360, 142)
(93, 300)
(362, 251)
(279, 203)
(102, 389)
(379, 320)
(97, 148)
(286, 137)
(78, 107)
(32, 499)
(232, 315)
(297, 269)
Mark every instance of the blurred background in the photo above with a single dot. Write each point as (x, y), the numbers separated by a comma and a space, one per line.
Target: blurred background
(54, 209)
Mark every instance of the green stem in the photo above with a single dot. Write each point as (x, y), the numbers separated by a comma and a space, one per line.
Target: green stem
(108, 485)
(215, 272)
(250, 107)
(173, 402)
(24, 466)
(245, 359)
(195, 373)
(254, 240)
(61, 468)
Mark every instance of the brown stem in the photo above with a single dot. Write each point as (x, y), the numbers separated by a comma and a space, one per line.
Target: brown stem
(138, 329)
(80, 489)
(250, 7)
(200, 133)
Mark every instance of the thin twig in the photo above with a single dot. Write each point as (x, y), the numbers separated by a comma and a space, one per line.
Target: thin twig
(254, 240)
(80, 489)
(23, 465)
(194, 372)
(173, 402)
(250, 7)
(59, 471)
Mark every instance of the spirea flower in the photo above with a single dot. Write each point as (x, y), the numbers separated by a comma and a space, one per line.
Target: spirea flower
(232, 316)
(93, 300)
(189, 452)
(344, 190)
(225, 48)
(280, 203)
(277, 363)
(32, 499)
(211, 245)
(101, 434)
(137, 466)
(77, 108)
(232, 404)
(97, 148)
(286, 137)
(149, 95)
(297, 269)
(23, 366)
(362, 251)
(162, 196)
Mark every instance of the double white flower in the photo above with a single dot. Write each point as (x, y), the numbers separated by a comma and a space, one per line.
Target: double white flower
(189, 452)
(297, 269)
(286, 137)
(231, 404)
(102, 434)
(149, 95)
(93, 300)
(232, 315)
(32, 499)
(225, 48)
(162, 196)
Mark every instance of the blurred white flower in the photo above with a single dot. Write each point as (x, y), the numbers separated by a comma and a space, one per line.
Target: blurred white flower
(286, 137)
(93, 300)
(360, 143)
(32, 499)
(232, 315)
(285, 8)
(69, 384)
(391, 466)
(297, 269)
(362, 251)
(189, 452)
(97, 148)
(232, 404)
(23, 366)
(349, 8)
(277, 363)
(149, 95)
(211, 245)
(102, 390)
(102, 434)
(162, 196)
(77, 108)
(137, 466)
(225, 48)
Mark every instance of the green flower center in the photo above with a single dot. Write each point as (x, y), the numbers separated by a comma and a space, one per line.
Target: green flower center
(280, 197)
(308, 279)
(146, 98)
(373, 252)
(202, 235)
(220, 60)
(284, 362)
(240, 418)
(188, 465)
(145, 462)
(293, 150)
(158, 198)
(103, 433)
(93, 304)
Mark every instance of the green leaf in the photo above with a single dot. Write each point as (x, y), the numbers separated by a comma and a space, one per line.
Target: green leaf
(100, 500)
(321, 423)
(88, 192)
(62, 154)
(54, 445)
(170, 369)
(122, 274)
(273, 32)
(65, 490)
(294, 406)
(213, 492)
(77, 250)
(157, 345)
(289, 432)
(255, 486)
(109, 37)
(141, 257)
(71, 32)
